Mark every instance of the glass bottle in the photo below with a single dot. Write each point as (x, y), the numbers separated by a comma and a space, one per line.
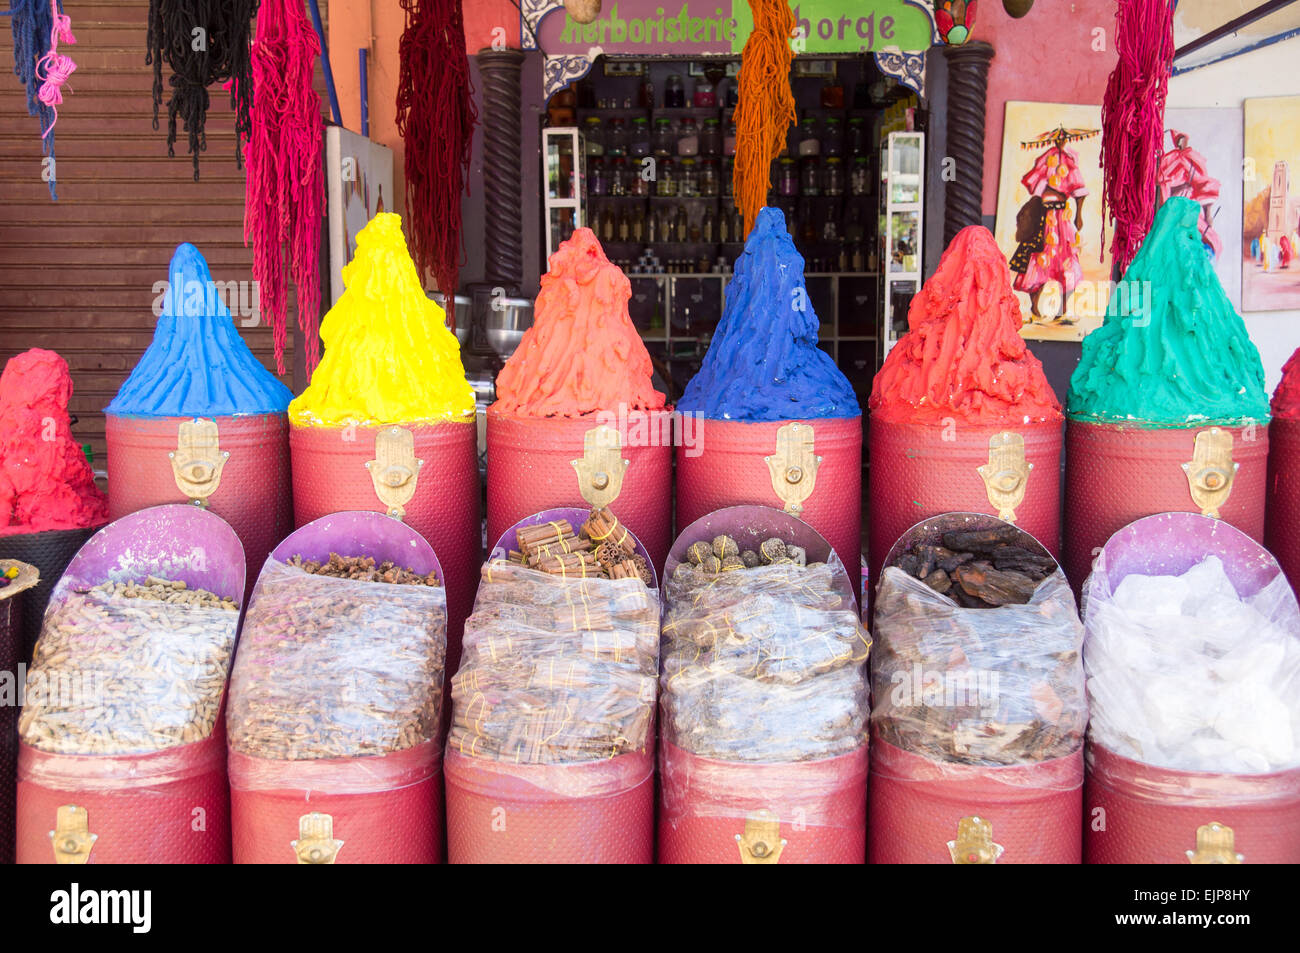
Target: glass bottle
(810, 180)
(787, 182)
(728, 176)
(688, 138)
(666, 180)
(674, 92)
(681, 227)
(646, 94)
(662, 140)
(724, 224)
(607, 225)
(594, 134)
(688, 181)
(729, 140)
(706, 95)
(833, 176)
(711, 138)
(856, 137)
(638, 137)
(618, 176)
(708, 226)
(636, 223)
(664, 214)
(832, 137)
(636, 183)
(860, 176)
(616, 137)
(623, 223)
(597, 178)
(832, 95)
(709, 178)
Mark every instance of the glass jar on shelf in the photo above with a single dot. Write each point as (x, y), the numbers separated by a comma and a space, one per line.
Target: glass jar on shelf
(711, 138)
(688, 137)
(662, 141)
(855, 139)
(833, 176)
(706, 95)
(832, 96)
(637, 183)
(674, 92)
(618, 176)
(810, 176)
(728, 182)
(709, 178)
(593, 133)
(597, 177)
(646, 93)
(638, 137)
(616, 137)
(666, 179)
(688, 180)
(809, 143)
(681, 225)
(832, 137)
(729, 139)
(787, 179)
(860, 176)
(708, 227)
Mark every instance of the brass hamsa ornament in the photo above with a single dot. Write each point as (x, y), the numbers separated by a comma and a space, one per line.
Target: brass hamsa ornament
(395, 469)
(316, 843)
(761, 843)
(793, 467)
(1214, 845)
(71, 837)
(601, 467)
(1211, 470)
(974, 843)
(1006, 475)
(198, 459)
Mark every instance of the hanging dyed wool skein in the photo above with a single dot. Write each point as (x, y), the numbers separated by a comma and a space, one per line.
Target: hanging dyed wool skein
(435, 117)
(1133, 122)
(766, 109)
(285, 191)
(202, 42)
(38, 26)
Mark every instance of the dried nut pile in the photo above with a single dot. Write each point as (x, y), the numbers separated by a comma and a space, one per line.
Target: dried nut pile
(556, 671)
(602, 547)
(980, 569)
(723, 554)
(766, 666)
(129, 668)
(363, 568)
(337, 667)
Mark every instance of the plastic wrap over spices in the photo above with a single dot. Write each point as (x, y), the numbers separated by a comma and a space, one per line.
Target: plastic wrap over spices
(389, 356)
(764, 362)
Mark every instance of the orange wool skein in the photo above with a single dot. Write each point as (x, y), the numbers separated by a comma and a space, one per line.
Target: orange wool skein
(766, 108)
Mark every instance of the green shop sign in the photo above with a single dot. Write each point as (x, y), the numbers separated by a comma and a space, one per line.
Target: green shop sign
(721, 27)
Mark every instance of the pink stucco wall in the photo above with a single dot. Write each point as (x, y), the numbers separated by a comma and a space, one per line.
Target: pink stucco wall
(1046, 56)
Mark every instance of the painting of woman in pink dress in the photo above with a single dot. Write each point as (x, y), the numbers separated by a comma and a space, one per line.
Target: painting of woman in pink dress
(1184, 172)
(1052, 252)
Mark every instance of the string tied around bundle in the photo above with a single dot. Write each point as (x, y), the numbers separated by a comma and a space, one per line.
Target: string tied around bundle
(54, 68)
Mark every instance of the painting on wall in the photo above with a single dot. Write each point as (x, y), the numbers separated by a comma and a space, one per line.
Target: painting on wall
(1270, 220)
(359, 185)
(1049, 218)
(1202, 162)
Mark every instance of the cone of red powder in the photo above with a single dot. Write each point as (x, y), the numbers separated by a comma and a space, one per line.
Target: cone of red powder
(962, 416)
(577, 421)
(1282, 535)
(49, 504)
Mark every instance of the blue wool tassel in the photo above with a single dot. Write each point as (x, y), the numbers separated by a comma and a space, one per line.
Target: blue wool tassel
(32, 24)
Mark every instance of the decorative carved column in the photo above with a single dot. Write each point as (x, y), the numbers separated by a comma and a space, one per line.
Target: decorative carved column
(502, 172)
(968, 83)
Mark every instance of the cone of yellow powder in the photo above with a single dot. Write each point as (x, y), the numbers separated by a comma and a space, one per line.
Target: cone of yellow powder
(387, 423)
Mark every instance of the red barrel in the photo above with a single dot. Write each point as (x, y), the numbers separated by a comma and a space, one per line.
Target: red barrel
(1117, 474)
(920, 470)
(601, 812)
(1283, 534)
(330, 475)
(248, 486)
(380, 810)
(533, 464)
(168, 807)
(1139, 814)
(927, 812)
(723, 463)
(724, 812)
